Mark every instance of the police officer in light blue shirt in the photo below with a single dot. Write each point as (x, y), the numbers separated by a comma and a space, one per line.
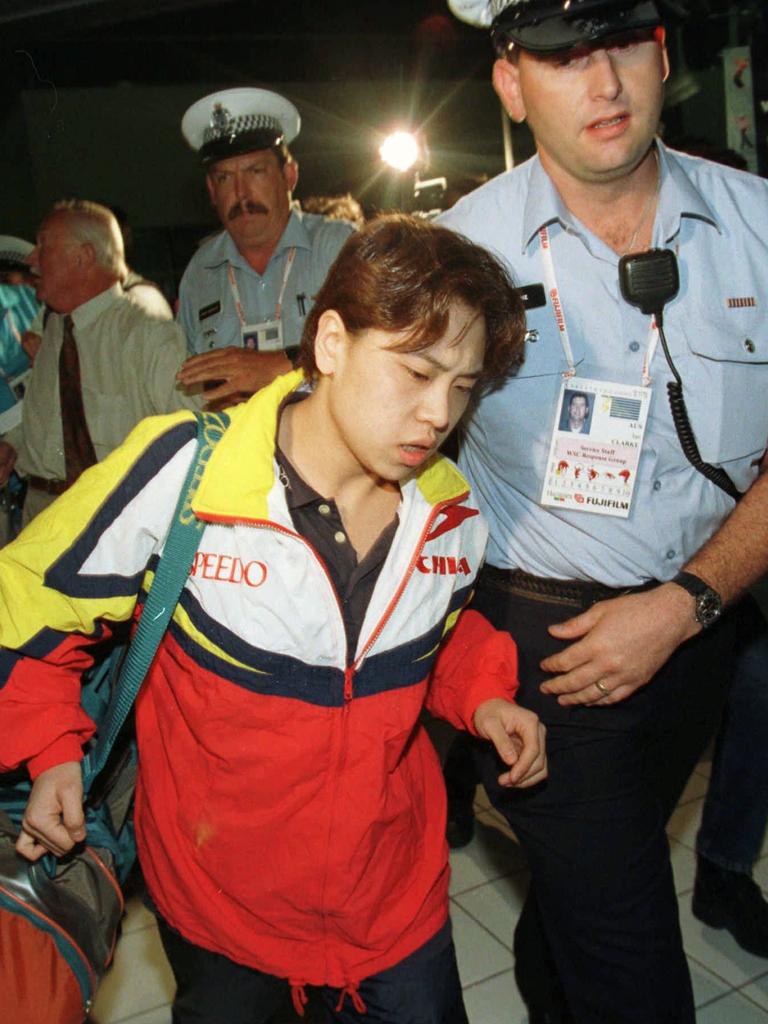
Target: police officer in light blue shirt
(713, 218)
(18, 305)
(18, 310)
(246, 292)
(613, 558)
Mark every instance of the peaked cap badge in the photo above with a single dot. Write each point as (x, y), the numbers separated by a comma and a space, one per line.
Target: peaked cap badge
(222, 122)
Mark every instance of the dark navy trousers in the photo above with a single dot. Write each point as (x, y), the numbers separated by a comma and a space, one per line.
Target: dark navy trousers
(735, 812)
(598, 941)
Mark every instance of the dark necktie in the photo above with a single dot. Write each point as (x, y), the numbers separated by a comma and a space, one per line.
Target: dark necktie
(78, 447)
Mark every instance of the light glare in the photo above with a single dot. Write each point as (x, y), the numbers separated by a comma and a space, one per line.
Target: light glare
(400, 150)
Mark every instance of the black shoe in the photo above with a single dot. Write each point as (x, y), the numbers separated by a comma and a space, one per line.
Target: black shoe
(460, 827)
(731, 900)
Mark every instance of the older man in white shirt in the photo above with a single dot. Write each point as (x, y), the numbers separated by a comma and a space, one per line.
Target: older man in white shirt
(104, 363)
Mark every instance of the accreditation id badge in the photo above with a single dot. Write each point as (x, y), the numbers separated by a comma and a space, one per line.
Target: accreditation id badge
(264, 337)
(595, 448)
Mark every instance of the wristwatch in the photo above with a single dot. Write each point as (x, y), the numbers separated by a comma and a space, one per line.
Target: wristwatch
(709, 604)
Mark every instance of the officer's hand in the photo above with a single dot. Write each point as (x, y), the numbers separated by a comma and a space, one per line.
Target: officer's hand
(7, 461)
(518, 736)
(620, 644)
(232, 374)
(53, 820)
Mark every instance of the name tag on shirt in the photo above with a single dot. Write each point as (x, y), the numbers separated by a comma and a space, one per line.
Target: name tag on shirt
(595, 447)
(263, 337)
(210, 310)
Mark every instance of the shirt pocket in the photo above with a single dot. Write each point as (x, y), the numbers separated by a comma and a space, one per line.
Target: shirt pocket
(725, 387)
(213, 331)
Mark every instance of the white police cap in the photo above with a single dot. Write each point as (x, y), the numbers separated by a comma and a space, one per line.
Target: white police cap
(14, 251)
(479, 13)
(546, 26)
(236, 121)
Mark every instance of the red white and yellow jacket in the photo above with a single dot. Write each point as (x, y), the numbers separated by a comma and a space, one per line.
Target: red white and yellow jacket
(290, 810)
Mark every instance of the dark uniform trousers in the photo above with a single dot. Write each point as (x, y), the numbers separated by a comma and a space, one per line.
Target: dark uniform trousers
(599, 933)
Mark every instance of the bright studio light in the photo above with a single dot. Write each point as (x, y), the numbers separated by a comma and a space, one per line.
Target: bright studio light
(400, 150)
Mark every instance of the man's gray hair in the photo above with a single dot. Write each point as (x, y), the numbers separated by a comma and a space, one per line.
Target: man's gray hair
(95, 225)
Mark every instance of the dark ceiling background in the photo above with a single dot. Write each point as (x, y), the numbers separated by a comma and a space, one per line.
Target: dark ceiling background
(89, 42)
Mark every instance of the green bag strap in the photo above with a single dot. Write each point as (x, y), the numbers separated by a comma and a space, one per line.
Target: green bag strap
(163, 595)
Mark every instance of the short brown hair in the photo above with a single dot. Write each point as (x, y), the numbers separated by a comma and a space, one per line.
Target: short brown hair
(403, 274)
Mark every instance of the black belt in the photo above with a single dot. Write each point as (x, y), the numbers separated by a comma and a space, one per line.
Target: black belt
(576, 592)
(40, 483)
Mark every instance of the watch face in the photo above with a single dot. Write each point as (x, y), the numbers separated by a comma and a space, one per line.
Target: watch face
(708, 607)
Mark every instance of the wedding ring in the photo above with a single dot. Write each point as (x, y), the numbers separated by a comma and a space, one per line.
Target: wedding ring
(602, 687)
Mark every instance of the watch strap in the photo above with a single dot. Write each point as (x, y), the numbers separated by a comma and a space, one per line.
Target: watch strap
(695, 585)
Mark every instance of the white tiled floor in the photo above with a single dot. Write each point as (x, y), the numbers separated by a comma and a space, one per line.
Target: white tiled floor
(487, 889)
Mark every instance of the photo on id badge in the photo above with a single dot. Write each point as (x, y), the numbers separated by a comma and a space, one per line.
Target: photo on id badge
(263, 337)
(595, 446)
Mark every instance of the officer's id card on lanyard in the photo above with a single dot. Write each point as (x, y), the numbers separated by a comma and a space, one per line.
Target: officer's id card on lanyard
(595, 446)
(598, 428)
(266, 336)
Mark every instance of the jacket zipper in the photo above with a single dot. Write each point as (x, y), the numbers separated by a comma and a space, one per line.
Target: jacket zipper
(349, 670)
(436, 509)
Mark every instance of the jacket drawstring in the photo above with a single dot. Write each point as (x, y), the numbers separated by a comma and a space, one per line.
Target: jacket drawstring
(354, 995)
(300, 1000)
(298, 996)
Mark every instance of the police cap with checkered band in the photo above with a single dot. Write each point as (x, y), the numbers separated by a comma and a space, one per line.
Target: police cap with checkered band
(14, 252)
(237, 121)
(546, 26)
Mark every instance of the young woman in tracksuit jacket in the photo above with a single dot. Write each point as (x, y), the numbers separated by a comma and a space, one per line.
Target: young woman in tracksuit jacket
(290, 808)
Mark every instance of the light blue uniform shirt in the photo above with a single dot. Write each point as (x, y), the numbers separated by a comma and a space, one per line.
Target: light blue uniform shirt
(207, 311)
(716, 219)
(18, 308)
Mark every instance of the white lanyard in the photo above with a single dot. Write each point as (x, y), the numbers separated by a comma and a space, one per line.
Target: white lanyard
(557, 306)
(236, 292)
